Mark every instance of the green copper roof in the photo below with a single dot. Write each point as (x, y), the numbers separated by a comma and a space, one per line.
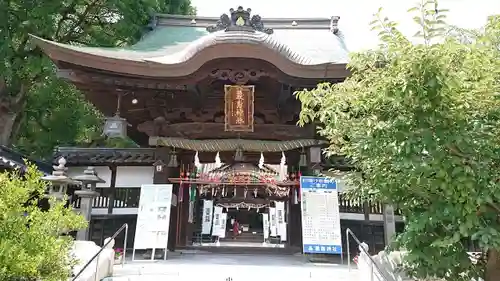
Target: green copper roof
(317, 45)
(176, 44)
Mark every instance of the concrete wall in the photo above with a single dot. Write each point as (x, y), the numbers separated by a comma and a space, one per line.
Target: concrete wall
(386, 265)
(100, 268)
(389, 266)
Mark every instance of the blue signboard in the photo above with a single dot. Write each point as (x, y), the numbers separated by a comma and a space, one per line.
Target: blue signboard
(317, 183)
(321, 233)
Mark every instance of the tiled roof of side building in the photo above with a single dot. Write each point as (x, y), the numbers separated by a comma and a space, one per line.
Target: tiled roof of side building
(76, 156)
(10, 159)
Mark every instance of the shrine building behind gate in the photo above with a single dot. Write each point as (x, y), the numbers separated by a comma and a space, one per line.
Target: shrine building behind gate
(210, 101)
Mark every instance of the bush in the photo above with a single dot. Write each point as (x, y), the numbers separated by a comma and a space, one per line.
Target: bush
(31, 244)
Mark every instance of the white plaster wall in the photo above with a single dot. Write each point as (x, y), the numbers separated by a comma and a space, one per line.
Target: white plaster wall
(103, 172)
(126, 176)
(134, 176)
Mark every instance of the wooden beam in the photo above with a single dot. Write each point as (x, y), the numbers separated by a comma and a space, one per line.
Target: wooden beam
(216, 131)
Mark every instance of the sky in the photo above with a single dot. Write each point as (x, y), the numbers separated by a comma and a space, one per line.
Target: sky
(355, 15)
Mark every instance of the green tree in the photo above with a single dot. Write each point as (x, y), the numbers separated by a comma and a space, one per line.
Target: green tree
(421, 124)
(37, 111)
(31, 245)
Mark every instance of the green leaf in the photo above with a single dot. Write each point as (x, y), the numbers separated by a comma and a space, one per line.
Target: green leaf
(422, 128)
(37, 252)
(38, 99)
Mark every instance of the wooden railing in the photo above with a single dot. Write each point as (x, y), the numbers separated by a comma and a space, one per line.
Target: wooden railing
(350, 206)
(129, 198)
(357, 206)
(123, 198)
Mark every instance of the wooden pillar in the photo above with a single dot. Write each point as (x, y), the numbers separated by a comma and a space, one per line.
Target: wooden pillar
(185, 231)
(289, 229)
(185, 226)
(366, 210)
(112, 189)
(295, 217)
(296, 225)
(161, 174)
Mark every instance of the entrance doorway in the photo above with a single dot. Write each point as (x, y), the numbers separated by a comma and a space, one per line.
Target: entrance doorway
(251, 227)
(250, 220)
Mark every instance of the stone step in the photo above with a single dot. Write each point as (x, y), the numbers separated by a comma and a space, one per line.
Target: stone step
(231, 270)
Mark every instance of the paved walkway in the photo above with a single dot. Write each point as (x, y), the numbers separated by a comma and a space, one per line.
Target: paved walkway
(219, 267)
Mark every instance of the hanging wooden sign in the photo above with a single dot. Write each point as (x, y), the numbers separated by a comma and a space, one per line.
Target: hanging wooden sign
(239, 108)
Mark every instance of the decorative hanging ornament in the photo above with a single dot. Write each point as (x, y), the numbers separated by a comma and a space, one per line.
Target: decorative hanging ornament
(191, 212)
(303, 158)
(282, 174)
(218, 162)
(172, 163)
(283, 159)
(197, 163)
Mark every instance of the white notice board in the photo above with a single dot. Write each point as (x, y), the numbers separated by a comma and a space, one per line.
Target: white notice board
(153, 217)
(321, 232)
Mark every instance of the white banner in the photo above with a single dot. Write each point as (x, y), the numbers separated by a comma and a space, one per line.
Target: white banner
(153, 217)
(223, 220)
(265, 225)
(206, 226)
(280, 217)
(216, 226)
(280, 209)
(272, 221)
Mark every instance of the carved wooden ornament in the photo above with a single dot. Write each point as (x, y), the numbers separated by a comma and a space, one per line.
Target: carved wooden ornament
(239, 108)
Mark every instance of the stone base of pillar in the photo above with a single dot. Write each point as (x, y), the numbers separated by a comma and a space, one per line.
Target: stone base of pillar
(389, 224)
(86, 199)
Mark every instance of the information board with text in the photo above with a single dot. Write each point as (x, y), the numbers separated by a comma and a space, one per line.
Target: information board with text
(153, 217)
(321, 232)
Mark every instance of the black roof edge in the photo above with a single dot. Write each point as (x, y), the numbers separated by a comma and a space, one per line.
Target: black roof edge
(85, 156)
(18, 158)
(63, 149)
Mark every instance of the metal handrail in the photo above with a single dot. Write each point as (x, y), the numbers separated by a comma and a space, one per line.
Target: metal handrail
(349, 231)
(124, 226)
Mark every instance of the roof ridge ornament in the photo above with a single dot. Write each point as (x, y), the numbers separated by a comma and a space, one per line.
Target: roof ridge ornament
(334, 24)
(240, 20)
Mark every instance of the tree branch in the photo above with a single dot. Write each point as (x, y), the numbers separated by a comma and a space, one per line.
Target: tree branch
(81, 19)
(494, 206)
(64, 16)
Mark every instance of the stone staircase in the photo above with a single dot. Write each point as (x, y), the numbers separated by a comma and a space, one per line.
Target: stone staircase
(246, 237)
(217, 267)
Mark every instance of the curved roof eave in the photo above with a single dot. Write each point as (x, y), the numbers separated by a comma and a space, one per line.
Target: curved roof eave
(190, 59)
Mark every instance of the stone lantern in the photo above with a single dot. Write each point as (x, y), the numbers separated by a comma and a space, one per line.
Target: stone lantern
(59, 181)
(89, 180)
